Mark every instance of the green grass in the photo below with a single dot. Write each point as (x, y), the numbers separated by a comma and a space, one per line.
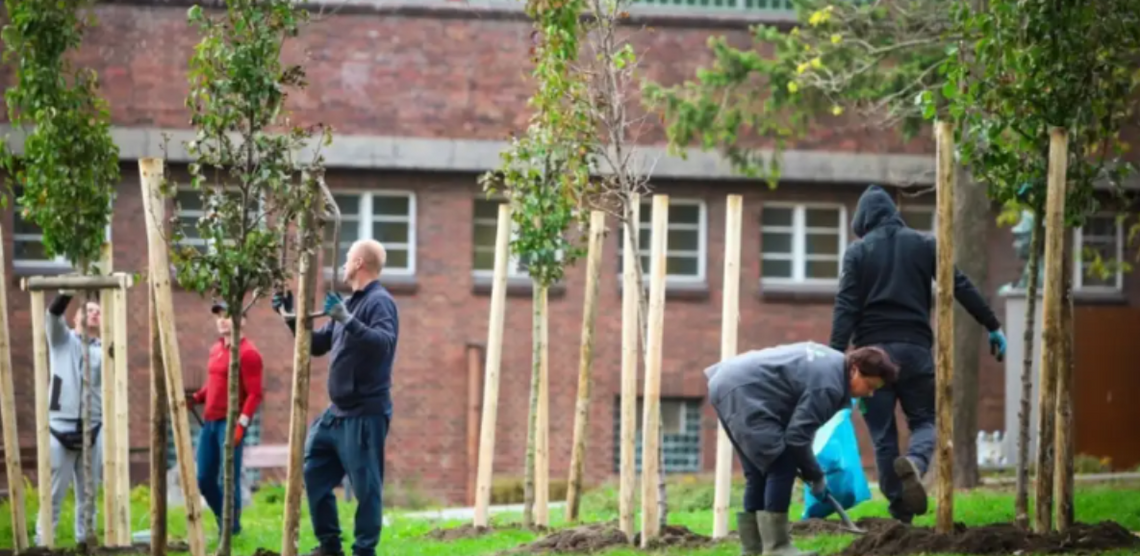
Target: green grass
(690, 500)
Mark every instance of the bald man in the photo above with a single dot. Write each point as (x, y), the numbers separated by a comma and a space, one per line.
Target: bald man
(349, 437)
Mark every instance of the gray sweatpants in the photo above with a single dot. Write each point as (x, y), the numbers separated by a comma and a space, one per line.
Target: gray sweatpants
(67, 468)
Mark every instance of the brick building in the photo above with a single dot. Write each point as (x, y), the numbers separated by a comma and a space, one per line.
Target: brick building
(423, 94)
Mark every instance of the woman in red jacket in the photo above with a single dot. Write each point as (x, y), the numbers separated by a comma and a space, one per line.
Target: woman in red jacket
(215, 395)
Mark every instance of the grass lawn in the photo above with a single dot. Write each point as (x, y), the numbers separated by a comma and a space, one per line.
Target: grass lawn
(689, 502)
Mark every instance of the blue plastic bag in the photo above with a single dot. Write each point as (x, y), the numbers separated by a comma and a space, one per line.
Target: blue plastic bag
(837, 450)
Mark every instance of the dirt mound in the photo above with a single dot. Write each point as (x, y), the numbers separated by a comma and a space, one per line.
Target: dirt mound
(900, 539)
(265, 552)
(585, 539)
(812, 527)
(467, 531)
(673, 536)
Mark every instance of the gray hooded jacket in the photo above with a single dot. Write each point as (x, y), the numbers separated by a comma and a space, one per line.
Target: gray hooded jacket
(774, 399)
(65, 354)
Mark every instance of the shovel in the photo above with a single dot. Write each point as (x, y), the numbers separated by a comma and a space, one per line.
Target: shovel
(847, 523)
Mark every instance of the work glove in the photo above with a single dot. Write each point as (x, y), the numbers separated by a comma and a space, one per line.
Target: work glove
(283, 302)
(239, 431)
(335, 309)
(997, 344)
(819, 489)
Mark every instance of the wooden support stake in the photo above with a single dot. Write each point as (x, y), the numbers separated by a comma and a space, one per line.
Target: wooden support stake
(1063, 483)
(491, 368)
(150, 172)
(311, 232)
(944, 379)
(158, 419)
(93, 282)
(585, 365)
(651, 431)
(1052, 330)
(110, 431)
(729, 319)
(542, 413)
(122, 418)
(43, 418)
(474, 397)
(630, 331)
(8, 416)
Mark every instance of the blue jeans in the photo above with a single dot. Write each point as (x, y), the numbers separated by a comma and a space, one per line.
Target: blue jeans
(211, 452)
(914, 390)
(346, 445)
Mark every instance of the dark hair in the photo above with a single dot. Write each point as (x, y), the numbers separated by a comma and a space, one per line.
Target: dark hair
(874, 362)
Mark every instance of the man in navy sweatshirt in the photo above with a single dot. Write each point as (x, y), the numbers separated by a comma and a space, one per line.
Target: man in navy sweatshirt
(884, 300)
(349, 437)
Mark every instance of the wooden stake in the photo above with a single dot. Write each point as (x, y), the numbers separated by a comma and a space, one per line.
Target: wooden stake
(8, 416)
(944, 380)
(729, 319)
(122, 419)
(43, 422)
(150, 171)
(110, 430)
(542, 434)
(1052, 329)
(585, 365)
(311, 233)
(651, 431)
(1063, 484)
(630, 330)
(158, 420)
(474, 397)
(494, 360)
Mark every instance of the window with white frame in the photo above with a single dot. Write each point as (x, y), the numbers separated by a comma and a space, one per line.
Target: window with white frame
(486, 222)
(1101, 237)
(686, 241)
(802, 243)
(385, 216)
(189, 207)
(28, 243)
(920, 217)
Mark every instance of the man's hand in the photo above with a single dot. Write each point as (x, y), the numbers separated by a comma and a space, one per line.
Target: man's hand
(335, 309)
(239, 431)
(819, 489)
(997, 344)
(283, 301)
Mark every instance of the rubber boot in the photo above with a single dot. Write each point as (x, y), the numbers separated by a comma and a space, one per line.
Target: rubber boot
(777, 535)
(914, 498)
(749, 530)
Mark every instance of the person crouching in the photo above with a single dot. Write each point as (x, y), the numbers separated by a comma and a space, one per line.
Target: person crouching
(771, 402)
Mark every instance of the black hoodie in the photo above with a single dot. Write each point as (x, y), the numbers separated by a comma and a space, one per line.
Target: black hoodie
(888, 274)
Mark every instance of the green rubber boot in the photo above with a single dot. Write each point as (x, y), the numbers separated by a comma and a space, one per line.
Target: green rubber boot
(777, 535)
(749, 529)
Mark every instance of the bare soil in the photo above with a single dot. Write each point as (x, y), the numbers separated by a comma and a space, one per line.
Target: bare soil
(812, 527)
(589, 539)
(469, 531)
(899, 539)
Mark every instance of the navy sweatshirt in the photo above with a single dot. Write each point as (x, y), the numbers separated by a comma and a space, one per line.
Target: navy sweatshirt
(885, 292)
(363, 350)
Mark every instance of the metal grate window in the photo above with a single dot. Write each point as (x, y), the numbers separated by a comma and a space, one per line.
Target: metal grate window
(681, 425)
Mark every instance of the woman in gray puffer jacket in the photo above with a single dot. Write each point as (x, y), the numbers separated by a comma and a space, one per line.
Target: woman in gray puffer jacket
(771, 402)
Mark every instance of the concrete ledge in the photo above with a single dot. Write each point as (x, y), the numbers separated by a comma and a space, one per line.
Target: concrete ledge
(798, 293)
(677, 290)
(379, 152)
(516, 287)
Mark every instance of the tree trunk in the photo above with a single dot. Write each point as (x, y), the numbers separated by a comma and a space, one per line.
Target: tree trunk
(1063, 491)
(532, 415)
(233, 386)
(1052, 335)
(158, 412)
(944, 352)
(971, 222)
(88, 543)
(1021, 503)
(585, 366)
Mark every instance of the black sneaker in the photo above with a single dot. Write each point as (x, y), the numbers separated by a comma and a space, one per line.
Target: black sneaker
(322, 551)
(913, 492)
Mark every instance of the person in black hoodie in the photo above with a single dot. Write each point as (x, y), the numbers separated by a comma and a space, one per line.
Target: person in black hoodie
(884, 300)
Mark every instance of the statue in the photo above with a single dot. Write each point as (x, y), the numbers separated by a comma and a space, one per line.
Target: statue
(1022, 243)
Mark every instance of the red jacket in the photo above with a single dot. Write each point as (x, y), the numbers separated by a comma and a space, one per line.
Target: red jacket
(215, 393)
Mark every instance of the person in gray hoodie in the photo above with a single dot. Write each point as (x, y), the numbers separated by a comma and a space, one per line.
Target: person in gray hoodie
(771, 402)
(65, 413)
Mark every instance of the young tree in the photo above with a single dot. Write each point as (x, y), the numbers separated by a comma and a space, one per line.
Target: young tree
(70, 165)
(249, 184)
(544, 175)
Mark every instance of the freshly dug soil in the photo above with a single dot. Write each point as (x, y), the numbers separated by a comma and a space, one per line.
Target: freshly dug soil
(812, 527)
(137, 548)
(467, 531)
(589, 539)
(900, 539)
(265, 552)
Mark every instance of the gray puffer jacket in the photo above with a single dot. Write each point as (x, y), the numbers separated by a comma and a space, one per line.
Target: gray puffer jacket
(774, 399)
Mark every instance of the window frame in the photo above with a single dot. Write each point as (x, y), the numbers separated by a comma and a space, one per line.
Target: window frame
(366, 200)
(799, 231)
(922, 208)
(702, 252)
(1079, 262)
(514, 263)
(59, 263)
